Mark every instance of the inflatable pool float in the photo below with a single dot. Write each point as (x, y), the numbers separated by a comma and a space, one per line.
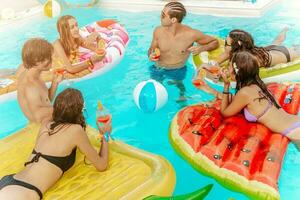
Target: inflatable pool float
(244, 157)
(131, 174)
(278, 73)
(114, 40)
(196, 195)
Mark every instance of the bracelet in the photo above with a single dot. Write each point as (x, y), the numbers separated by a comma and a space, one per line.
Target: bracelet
(91, 64)
(226, 92)
(213, 62)
(106, 136)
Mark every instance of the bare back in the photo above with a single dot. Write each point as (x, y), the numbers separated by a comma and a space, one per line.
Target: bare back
(59, 144)
(275, 119)
(33, 97)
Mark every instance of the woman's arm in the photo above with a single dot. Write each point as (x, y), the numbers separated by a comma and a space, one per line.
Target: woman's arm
(99, 160)
(230, 107)
(239, 102)
(60, 52)
(90, 42)
(224, 56)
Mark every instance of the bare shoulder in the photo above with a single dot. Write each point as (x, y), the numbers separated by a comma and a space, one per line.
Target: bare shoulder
(57, 46)
(20, 70)
(246, 92)
(56, 43)
(190, 31)
(77, 130)
(187, 28)
(76, 127)
(158, 30)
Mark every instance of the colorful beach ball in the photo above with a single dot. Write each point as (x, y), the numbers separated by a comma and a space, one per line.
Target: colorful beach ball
(149, 96)
(52, 8)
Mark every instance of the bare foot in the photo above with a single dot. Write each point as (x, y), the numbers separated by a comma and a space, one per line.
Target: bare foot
(281, 36)
(285, 29)
(297, 49)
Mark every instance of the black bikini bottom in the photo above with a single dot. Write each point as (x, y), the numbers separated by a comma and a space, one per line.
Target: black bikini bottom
(9, 180)
(281, 49)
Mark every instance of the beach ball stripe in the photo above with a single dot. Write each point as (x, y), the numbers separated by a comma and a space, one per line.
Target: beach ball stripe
(149, 96)
(52, 8)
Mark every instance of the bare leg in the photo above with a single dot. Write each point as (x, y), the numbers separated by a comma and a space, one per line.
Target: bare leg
(294, 52)
(181, 88)
(294, 136)
(281, 37)
(297, 144)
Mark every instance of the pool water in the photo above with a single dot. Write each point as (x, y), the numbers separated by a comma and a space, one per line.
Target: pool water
(115, 88)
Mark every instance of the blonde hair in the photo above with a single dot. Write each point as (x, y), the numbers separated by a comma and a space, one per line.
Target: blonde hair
(36, 50)
(66, 39)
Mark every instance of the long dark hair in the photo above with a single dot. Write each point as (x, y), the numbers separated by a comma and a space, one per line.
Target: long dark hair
(246, 69)
(243, 41)
(67, 109)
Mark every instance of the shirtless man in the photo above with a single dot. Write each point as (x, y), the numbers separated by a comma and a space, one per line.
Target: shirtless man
(175, 42)
(33, 95)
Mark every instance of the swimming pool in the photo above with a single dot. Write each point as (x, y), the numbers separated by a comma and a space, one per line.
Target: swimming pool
(114, 89)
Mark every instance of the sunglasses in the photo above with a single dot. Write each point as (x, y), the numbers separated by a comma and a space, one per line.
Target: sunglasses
(85, 112)
(226, 44)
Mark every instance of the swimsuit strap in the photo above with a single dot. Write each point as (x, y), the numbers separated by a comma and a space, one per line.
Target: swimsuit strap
(34, 159)
(267, 108)
(29, 186)
(288, 130)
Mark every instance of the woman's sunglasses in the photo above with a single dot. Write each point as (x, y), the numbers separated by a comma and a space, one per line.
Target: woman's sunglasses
(226, 44)
(84, 111)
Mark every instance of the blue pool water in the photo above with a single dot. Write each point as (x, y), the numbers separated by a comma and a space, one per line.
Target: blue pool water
(114, 89)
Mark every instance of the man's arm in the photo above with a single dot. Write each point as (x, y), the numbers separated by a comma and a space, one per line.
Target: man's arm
(154, 44)
(40, 110)
(206, 43)
(55, 82)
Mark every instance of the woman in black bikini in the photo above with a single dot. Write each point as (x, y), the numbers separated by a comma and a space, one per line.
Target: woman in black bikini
(55, 150)
(239, 40)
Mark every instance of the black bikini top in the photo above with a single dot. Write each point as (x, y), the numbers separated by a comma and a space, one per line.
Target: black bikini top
(64, 163)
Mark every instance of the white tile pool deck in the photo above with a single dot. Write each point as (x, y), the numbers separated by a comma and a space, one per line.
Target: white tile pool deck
(207, 7)
(236, 8)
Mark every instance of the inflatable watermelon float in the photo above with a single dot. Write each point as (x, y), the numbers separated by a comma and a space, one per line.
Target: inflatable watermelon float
(242, 156)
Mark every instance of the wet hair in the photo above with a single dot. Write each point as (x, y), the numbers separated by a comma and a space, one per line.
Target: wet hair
(177, 10)
(246, 70)
(242, 40)
(67, 109)
(66, 39)
(36, 50)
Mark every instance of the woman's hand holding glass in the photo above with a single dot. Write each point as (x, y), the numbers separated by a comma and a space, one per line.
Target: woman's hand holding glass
(98, 57)
(225, 76)
(93, 37)
(104, 127)
(103, 121)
